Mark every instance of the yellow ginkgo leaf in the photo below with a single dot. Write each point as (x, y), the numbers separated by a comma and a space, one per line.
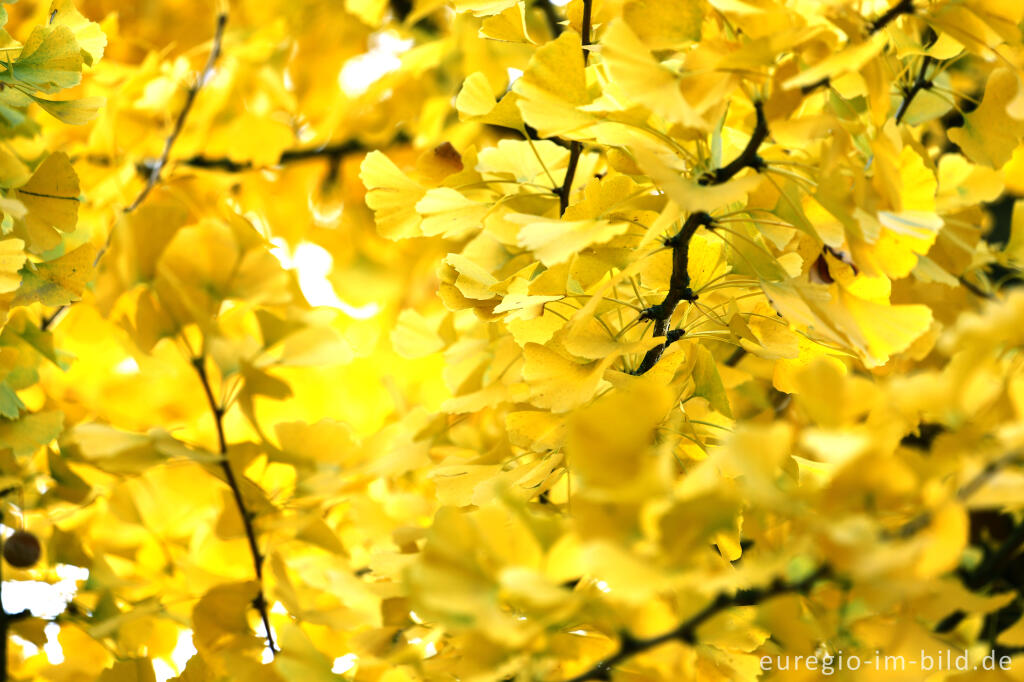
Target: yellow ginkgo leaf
(508, 26)
(483, 8)
(989, 134)
(12, 257)
(415, 336)
(88, 34)
(875, 331)
(690, 195)
(848, 60)
(553, 86)
(51, 198)
(558, 383)
(476, 102)
(556, 241)
(664, 25)
(60, 281)
(631, 66)
(449, 213)
(392, 195)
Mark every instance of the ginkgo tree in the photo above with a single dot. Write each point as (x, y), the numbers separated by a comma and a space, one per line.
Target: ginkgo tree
(512, 340)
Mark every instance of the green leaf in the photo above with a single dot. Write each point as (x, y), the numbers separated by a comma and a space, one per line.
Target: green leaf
(57, 282)
(51, 61)
(31, 432)
(10, 404)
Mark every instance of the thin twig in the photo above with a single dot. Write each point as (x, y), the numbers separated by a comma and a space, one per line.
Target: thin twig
(260, 602)
(157, 168)
(575, 148)
(190, 98)
(686, 631)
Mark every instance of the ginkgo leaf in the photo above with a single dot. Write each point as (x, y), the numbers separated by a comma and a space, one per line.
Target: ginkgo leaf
(553, 86)
(88, 34)
(32, 431)
(473, 281)
(12, 257)
(707, 382)
(560, 384)
(476, 101)
(508, 26)
(60, 281)
(874, 330)
(555, 241)
(392, 195)
(50, 61)
(13, 173)
(414, 336)
(690, 195)
(631, 66)
(220, 621)
(51, 198)
(74, 111)
(850, 59)
(449, 213)
(483, 8)
(664, 25)
(129, 670)
(989, 133)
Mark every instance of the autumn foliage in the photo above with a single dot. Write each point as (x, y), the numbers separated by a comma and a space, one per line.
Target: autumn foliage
(505, 340)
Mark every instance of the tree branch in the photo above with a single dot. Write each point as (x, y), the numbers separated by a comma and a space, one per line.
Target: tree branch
(157, 169)
(899, 9)
(686, 631)
(260, 602)
(575, 148)
(920, 83)
(679, 282)
(332, 152)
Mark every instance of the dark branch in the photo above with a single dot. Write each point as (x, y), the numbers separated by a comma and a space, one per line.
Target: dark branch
(575, 148)
(811, 87)
(679, 283)
(920, 83)
(748, 158)
(686, 631)
(332, 152)
(260, 602)
(893, 13)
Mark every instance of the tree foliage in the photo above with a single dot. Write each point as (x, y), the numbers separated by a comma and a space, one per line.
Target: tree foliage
(503, 340)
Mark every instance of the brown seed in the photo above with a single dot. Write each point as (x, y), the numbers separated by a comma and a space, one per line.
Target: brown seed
(22, 549)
